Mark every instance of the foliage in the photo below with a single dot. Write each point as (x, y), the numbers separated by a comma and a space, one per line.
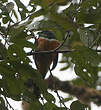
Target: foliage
(82, 19)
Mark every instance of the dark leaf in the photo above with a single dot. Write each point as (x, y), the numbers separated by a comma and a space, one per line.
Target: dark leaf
(87, 37)
(2, 101)
(5, 19)
(3, 51)
(89, 16)
(37, 14)
(49, 106)
(76, 105)
(3, 107)
(68, 99)
(15, 52)
(15, 14)
(48, 25)
(49, 97)
(35, 105)
(86, 60)
(10, 6)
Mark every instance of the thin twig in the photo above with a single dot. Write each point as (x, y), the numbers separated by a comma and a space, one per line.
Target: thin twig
(29, 15)
(95, 41)
(52, 51)
(48, 52)
(57, 91)
(66, 36)
(21, 21)
(98, 50)
(42, 99)
(61, 100)
(8, 103)
(50, 72)
(2, 34)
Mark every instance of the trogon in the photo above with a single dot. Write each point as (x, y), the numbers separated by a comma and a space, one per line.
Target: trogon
(46, 42)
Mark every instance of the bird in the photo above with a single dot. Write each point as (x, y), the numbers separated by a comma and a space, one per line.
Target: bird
(46, 42)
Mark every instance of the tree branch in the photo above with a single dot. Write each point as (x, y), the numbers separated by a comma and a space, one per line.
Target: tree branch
(66, 36)
(54, 51)
(48, 52)
(84, 94)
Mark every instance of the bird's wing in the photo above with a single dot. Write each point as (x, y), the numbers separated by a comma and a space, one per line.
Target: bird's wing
(55, 61)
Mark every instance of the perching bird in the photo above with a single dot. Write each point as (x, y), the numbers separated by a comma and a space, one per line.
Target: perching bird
(46, 42)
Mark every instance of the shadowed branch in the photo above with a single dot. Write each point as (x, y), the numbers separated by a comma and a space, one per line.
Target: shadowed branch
(84, 94)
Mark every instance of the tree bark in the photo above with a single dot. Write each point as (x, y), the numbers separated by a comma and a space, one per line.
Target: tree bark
(84, 94)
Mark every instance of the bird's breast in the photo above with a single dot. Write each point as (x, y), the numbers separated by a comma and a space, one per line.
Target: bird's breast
(46, 45)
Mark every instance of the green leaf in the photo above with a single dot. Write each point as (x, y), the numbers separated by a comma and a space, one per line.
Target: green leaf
(10, 6)
(3, 51)
(36, 2)
(90, 3)
(48, 25)
(64, 21)
(87, 56)
(49, 97)
(68, 99)
(35, 105)
(86, 61)
(87, 37)
(4, 1)
(3, 107)
(16, 97)
(6, 69)
(90, 16)
(25, 73)
(0, 15)
(16, 89)
(5, 19)
(21, 5)
(65, 67)
(2, 101)
(3, 29)
(15, 51)
(4, 10)
(17, 33)
(21, 8)
(37, 14)
(29, 96)
(62, 2)
(15, 14)
(79, 82)
(76, 105)
(20, 37)
(49, 106)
